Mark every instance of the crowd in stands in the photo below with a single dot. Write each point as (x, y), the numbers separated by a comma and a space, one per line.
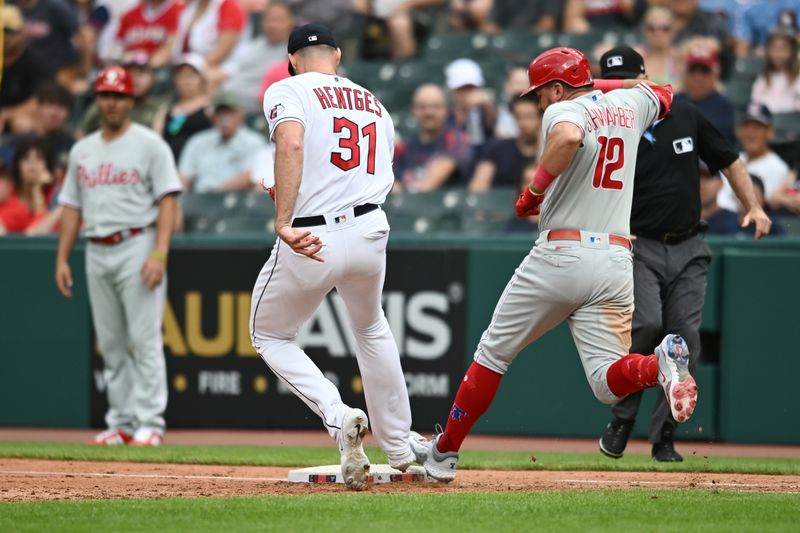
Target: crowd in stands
(449, 72)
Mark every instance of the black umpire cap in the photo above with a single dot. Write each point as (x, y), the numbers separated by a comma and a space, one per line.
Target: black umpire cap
(621, 62)
(308, 35)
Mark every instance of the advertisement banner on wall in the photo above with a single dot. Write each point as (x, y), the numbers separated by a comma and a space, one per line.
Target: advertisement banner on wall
(217, 380)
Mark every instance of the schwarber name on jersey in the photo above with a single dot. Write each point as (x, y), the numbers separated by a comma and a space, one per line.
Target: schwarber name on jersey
(596, 190)
(348, 141)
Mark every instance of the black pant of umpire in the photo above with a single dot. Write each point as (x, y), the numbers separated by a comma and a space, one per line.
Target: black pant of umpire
(669, 288)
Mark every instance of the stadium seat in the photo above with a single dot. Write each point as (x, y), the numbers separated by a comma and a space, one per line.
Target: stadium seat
(788, 150)
(747, 68)
(488, 212)
(454, 45)
(520, 47)
(739, 91)
(244, 224)
(424, 212)
(201, 210)
(787, 126)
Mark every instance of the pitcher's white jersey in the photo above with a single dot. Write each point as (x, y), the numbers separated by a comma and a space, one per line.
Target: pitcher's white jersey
(349, 141)
(596, 191)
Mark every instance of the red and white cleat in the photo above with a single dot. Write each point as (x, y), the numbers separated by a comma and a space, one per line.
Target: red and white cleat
(111, 437)
(673, 375)
(147, 437)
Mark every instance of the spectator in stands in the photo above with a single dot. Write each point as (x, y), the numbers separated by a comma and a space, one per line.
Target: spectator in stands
(14, 215)
(214, 29)
(275, 73)
(515, 84)
(537, 15)
(659, 52)
(107, 18)
(398, 15)
(757, 18)
(474, 110)
(691, 21)
(34, 180)
(51, 27)
(720, 221)
(145, 105)
(23, 73)
(215, 160)
(150, 28)
(469, 14)
(725, 10)
(502, 161)
(580, 16)
(188, 113)
(260, 54)
(437, 155)
(337, 15)
(778, 86)
(755, 132)
(700, 88)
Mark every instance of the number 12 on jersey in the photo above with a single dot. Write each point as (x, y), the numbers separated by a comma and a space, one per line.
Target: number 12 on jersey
(612, 157)
(352, 143)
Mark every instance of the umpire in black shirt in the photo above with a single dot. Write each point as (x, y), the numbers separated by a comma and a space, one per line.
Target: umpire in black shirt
(670, 261)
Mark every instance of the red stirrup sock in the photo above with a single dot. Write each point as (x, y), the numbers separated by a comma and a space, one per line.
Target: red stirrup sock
(632, 373)
(473, 398)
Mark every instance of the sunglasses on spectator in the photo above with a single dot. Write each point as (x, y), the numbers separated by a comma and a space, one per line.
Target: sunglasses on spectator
(658, 27)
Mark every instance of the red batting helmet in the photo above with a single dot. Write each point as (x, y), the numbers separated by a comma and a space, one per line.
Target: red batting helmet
(114, 80)
(566, 65)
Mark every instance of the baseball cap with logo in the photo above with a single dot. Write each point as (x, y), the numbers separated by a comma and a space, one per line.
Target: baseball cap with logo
(114, 80)
(706, 58)
(12, 18)
(308, 35)
(621, 62)
(757, 112)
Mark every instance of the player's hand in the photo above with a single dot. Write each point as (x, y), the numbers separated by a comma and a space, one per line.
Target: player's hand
(528, 203)
(153, 272)
(64, 278)
(302, 242)
(758, 217)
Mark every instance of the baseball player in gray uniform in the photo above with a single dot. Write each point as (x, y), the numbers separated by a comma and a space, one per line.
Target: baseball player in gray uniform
(122, 181)
(334, 144)
(581, 267)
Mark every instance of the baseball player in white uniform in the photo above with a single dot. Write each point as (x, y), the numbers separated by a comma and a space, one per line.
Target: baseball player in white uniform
(123, 182)
(581, 267)
(334, 144)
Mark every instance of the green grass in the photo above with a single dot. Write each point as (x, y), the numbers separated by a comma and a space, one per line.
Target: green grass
(309, 456)
(609, 510)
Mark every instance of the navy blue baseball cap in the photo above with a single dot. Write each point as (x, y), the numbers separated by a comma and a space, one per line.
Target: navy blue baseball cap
(757, 112)
(308, 35)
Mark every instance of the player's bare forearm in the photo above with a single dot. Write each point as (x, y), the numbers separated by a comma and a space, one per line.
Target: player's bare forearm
(165, 223)
(288, 170)
(741, 184)
(562, 144)
(68, 234)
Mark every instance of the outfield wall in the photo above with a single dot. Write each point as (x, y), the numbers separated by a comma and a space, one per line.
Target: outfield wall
(440, 294)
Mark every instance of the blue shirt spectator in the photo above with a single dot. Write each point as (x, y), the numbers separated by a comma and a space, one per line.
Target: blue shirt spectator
(757, 18)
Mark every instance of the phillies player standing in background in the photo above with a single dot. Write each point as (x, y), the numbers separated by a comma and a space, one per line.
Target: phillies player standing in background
(581, 268)
(123, 182)
(334, 144)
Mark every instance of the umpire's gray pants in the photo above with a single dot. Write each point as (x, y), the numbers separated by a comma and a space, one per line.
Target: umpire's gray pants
(127, 319)
(669, 288)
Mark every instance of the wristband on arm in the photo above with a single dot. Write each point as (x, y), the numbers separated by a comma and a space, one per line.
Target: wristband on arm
(608, 85)
(541, 180)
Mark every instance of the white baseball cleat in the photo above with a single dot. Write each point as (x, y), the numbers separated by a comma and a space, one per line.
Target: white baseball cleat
(147, 437)
(441, 466)
(402, 463)
(355, 464)
(673, 375)
(112, 437)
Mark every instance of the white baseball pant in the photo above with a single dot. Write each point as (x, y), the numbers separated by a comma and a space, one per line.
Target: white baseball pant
(127, 320)
(289, 289)
(591, 287)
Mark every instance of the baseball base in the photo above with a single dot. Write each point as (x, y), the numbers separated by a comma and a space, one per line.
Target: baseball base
(378, 474)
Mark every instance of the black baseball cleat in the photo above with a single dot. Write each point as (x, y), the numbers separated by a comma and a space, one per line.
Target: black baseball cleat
(664, 452)
(615, 437)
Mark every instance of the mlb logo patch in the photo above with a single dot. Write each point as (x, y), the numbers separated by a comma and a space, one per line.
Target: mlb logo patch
(614, 61)
(683, 145)
(340, 219)
(312, 38)
(594, 239)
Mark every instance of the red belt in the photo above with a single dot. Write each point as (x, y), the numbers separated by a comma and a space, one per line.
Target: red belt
(116, 238)
(575, 235)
